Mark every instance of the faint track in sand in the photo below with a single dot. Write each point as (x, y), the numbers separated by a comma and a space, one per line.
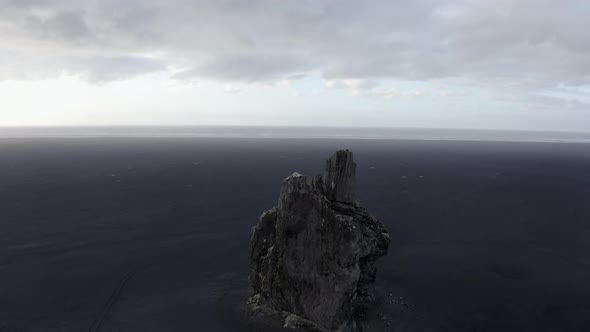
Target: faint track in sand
(115, 295)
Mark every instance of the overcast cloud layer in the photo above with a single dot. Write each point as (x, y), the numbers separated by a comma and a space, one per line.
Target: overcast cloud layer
(527, 51)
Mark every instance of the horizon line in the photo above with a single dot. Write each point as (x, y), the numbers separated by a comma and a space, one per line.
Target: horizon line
(70, 126)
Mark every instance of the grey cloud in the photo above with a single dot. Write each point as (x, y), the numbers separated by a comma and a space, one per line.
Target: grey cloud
(531, 44)
(247, 68)
(112, 68)
(66, 26)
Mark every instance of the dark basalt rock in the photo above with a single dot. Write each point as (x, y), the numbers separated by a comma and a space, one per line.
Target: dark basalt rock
(339, 177)
(313, 254)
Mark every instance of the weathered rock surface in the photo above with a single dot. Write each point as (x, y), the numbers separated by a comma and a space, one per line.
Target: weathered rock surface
(313, 254)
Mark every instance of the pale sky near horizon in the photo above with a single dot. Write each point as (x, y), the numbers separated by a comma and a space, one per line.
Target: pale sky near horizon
(426, 63)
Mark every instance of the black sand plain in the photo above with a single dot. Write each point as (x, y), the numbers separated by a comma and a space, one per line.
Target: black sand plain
(130, 234)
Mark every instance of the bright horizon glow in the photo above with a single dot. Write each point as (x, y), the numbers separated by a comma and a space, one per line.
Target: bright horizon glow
(156, 100)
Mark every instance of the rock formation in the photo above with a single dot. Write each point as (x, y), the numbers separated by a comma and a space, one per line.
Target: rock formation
(313, 254)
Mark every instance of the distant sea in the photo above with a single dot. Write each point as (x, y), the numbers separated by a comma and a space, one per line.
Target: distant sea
(148, 228)
(295, 132)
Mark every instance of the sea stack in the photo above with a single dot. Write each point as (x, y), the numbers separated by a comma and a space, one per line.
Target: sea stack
(313, 254)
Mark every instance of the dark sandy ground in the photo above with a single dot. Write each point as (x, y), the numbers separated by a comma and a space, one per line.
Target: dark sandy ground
(152, 234)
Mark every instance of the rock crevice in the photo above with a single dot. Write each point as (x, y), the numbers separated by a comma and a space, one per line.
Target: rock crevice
(313, 254)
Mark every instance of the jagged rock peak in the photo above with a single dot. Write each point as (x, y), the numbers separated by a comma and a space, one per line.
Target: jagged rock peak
(313, 254)
(339, 177)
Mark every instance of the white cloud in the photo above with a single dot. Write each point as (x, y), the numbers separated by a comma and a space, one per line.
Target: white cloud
(231, 89)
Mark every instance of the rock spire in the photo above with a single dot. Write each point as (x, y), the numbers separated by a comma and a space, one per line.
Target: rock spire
(313, 254)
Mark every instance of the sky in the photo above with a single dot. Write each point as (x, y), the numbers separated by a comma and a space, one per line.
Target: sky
(486, 64)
